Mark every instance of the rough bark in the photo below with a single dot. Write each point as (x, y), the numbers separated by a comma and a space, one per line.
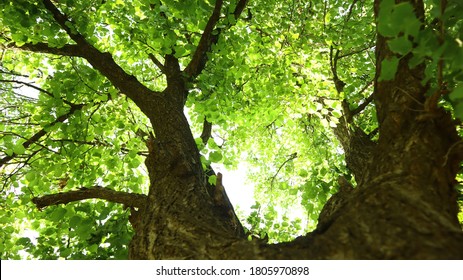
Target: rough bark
(180, 220)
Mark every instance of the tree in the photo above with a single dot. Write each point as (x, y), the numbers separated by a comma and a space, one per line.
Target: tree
(276, 80)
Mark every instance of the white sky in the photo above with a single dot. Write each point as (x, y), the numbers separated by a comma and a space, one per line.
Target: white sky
(239, 192)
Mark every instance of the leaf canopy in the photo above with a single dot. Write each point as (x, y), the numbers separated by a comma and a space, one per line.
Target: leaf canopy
(268, 89)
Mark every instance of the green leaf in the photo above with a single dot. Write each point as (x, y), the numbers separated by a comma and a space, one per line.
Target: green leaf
(84, 230)
(103, 97)
(458, 110)
(20, 39)
(215, 156)
(30, 176)
(65, 252)
(256, 205)
(180, 51)
(93, 248)
(385, 26)
(9, 152)
(134, 163)
(75, 221)
(385, 7)
(24, 241)
(386, 29)
(212, 180)
(19, 149)
(312, 193)
(303, 173)
(400, 45)
(457, 93)
(231, 19)
(58, 214)
(388, 68)
(394, 19)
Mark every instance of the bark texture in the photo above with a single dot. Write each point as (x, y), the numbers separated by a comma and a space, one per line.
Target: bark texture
(181, 219)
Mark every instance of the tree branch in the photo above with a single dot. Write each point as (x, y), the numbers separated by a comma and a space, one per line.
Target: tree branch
(351, 8)
(38, 89)
(290, 158)
(362, 106)
(66, 50)
(207, 131)
(63, 21)
(357, 146)
(339, 84)
(239, 8)
(128, 199)
(198, 62)
(157, 62)
(355, 51)
(104, 62)
(97, 142)
(41, 133)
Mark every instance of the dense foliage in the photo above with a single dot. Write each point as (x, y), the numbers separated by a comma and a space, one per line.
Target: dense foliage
(274, 89)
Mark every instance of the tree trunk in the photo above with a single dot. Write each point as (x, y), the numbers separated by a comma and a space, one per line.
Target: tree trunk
(181, 219)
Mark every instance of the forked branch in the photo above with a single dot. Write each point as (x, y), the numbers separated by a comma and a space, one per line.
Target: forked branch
(103, 62)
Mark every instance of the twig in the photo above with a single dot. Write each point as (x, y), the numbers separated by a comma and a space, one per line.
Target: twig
(446, 157)
(291, 157)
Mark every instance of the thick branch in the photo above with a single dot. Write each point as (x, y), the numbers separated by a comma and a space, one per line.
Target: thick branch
(396, 110)
(63, 21)
(104, 62)
(198, 62)
(66, 50)
(128, 199)
(357, 146)
(239, 8)
(339, 84)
